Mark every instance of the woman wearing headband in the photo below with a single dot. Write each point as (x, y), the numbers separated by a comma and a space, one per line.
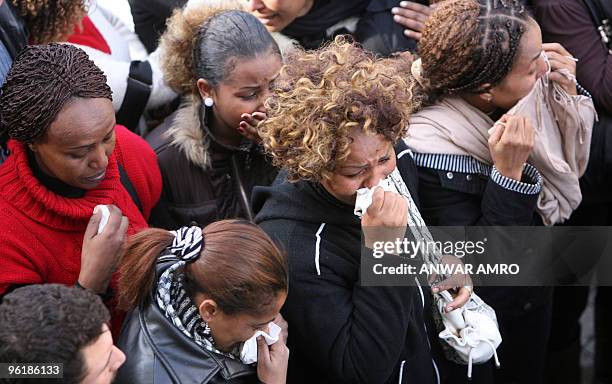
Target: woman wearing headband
(498, 142)
(196, 295)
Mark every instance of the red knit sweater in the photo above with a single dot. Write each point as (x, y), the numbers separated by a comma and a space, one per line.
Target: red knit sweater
(42, 233)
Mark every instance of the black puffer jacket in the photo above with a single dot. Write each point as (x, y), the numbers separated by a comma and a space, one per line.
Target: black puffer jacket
(203, 180)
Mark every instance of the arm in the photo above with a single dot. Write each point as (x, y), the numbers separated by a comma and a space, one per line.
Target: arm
(457, 201)
(569, 23)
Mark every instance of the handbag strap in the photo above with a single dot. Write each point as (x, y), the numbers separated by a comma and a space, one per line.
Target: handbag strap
(129, 187)
(602, 22)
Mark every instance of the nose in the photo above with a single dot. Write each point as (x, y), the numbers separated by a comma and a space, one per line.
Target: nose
(255, 5)
(374, 177)
(99, 160)
(119, 358)
(261, 101)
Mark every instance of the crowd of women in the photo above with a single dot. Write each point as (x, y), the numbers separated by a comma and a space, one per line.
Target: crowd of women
(227, 140)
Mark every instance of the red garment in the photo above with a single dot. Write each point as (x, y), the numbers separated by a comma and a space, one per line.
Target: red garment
(42, 232)
(88, 35)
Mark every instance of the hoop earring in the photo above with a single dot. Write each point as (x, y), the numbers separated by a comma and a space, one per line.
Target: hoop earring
(209, 102)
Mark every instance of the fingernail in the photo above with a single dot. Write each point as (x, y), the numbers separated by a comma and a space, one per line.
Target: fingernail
(403, 3)
(394, 10)
(240, 130)
(407, 33)
(96, 209)
(449, 309)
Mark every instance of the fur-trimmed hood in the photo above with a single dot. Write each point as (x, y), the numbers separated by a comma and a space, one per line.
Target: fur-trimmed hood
(187, 133)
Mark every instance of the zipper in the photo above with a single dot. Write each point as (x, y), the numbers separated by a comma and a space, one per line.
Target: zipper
(241, 191)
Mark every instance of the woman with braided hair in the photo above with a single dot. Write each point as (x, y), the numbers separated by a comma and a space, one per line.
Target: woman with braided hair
(498, 141)
(67, 156)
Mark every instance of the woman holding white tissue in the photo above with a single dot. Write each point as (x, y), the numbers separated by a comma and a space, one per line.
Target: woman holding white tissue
(198, 297)
(67, 156)
(335, 122)
(500, 138)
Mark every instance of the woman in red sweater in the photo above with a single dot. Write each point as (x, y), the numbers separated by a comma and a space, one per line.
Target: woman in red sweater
(66, 157)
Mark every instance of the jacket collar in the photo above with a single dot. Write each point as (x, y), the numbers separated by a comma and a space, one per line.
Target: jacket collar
(190, 133)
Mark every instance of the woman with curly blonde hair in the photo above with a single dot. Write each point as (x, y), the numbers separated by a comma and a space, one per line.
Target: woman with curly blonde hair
(222, 62)
(335, 122)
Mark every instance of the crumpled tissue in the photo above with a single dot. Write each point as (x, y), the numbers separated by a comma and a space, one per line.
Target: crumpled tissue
(248, 354)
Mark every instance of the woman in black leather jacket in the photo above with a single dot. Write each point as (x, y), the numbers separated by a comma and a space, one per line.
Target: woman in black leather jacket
(195, 297)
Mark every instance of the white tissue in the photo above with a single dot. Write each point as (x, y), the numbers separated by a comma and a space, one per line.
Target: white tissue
(105, 215)
(248, 355)
(364, 195)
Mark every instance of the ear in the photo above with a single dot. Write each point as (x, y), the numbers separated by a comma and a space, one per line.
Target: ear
(205, 89)
(208, 309)
(487, 93)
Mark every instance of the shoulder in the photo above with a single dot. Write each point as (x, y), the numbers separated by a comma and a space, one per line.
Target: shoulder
(140, 164)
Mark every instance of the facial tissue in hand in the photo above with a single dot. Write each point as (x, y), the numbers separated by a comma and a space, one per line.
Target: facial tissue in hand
(364, 195)
(105, 215)
(248, 355)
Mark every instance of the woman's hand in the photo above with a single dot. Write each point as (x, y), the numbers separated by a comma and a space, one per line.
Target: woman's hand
(458, 283)
(101, 252)
(561, 61)
(284, 326)
(511, 141)
(412, 16)
(385, 219)
(272, 360)
(249, 123)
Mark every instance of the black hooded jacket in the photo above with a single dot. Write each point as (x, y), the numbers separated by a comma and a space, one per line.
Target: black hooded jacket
(339, 330)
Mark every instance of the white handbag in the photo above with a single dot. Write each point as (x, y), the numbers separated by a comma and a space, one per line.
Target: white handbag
(471, 331)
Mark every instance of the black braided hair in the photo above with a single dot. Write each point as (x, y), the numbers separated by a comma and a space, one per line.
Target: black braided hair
(43, 78)
(469, 43)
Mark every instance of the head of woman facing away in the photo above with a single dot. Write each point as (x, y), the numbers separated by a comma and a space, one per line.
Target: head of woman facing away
(238, 281)
(56, 102)
(486, 51)
(229, 58)
(50, 20)
(335, 115)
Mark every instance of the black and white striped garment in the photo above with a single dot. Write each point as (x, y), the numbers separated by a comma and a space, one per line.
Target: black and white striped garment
(177, 306)
(467, 164)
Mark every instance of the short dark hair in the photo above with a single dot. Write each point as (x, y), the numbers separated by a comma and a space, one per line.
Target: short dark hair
(50, 323)
(42, 80)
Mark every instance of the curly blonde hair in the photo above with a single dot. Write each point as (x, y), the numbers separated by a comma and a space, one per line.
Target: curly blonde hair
(320, 96)
(50, 20)
(180, 38)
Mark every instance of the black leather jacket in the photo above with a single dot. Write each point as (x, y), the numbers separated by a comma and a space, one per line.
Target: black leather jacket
(157, 352)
